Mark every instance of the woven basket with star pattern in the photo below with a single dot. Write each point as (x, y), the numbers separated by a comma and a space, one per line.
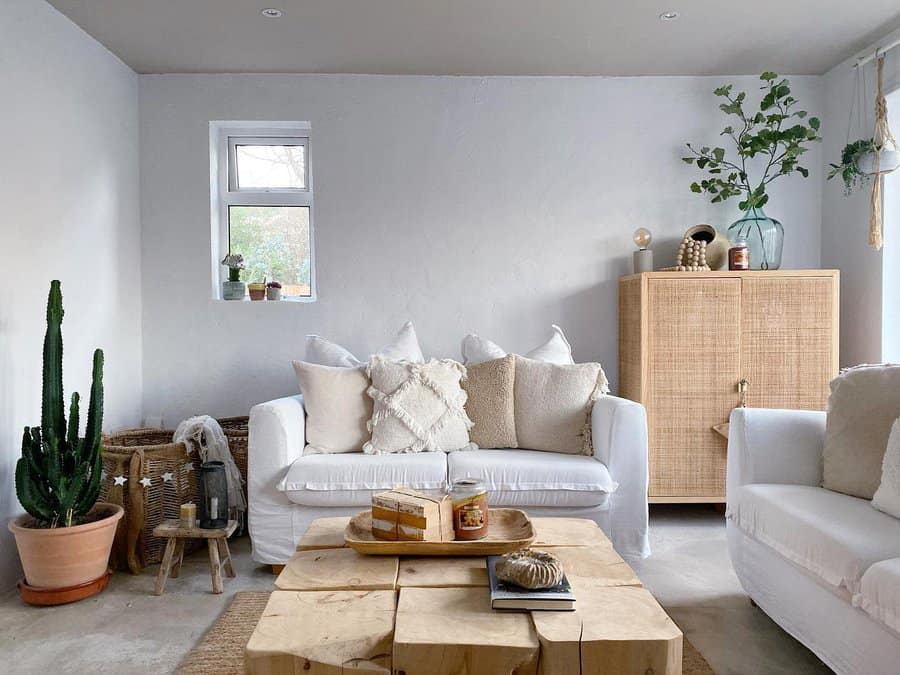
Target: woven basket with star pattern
(150, 477)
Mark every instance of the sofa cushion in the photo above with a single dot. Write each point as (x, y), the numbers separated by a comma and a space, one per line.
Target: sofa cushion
(404, 347)
(476, 349)
(337, 406)
(833, 536)
(489, 386)
(349, 479)
(879, 593)
(529, 478)
(887, 497)
(553, 404)
(418, 407)
(863, 405)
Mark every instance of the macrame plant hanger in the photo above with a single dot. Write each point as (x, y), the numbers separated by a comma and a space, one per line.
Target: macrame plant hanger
(883, 139)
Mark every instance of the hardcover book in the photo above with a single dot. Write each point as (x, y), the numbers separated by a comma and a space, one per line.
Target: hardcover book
(509, 596)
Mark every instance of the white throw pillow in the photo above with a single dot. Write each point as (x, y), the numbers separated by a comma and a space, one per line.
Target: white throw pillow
(337, 407)
(405, 347)
(887, 497)
(418, 407)
(476, 349)
(553, 405)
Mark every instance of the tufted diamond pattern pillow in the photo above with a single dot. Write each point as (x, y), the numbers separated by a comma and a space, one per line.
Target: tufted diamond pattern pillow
(418, 407)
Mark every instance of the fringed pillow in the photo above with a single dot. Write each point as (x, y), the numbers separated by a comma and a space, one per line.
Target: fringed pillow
(419, 407)
(553, 405)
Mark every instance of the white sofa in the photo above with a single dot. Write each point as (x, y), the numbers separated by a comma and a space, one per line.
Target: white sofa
(289, 489)
(823, 565)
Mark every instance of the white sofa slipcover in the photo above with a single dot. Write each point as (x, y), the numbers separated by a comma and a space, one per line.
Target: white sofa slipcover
(288, 489)
(804, 553)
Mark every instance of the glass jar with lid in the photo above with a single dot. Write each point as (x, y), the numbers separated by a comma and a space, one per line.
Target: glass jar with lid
(470, 508)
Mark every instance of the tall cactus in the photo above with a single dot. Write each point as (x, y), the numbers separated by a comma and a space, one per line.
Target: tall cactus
(58, 475)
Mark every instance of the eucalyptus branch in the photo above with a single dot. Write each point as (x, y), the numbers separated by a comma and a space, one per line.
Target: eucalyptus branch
(762, 133)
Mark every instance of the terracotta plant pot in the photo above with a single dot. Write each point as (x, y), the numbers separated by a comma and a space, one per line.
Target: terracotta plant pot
(61, 557)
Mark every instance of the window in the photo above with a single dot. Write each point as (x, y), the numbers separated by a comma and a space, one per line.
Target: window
(262, 203)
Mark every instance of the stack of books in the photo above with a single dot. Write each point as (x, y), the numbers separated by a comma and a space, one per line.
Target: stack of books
(508, 596)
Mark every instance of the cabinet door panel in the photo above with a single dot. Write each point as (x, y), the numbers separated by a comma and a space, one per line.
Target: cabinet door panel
(694, 351)
(788, 341)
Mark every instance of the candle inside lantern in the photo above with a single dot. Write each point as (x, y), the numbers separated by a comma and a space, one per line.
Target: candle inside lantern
(189, 514)
(214, 508)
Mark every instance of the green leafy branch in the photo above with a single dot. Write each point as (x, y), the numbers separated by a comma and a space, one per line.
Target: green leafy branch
(776, 132)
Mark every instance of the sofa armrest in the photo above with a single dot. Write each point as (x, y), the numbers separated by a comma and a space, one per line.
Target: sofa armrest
(619, 436)
(774, 446)
(277, 437)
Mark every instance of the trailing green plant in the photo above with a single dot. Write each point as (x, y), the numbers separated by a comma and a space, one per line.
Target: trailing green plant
(58, 475)
(777, 133)
(848, 169)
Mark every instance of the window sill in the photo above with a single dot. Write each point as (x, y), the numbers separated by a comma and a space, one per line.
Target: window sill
(283, 301)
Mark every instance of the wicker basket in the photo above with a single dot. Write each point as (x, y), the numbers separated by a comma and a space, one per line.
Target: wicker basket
(237, 432)
(142, 455)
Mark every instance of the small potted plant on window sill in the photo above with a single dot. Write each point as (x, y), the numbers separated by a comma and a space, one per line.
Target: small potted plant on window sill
(234, 288)
(257, 290)
(273, 290)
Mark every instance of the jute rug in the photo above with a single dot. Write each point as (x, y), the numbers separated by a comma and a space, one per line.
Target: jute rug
(221, 650)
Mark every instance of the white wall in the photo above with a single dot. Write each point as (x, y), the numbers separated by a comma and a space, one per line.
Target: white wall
(70, 211)
(845, 220)
(497, 205)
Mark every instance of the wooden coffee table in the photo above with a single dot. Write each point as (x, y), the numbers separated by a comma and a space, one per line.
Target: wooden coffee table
(337, 610)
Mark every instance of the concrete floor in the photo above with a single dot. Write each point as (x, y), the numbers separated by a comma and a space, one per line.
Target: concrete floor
(129, 630)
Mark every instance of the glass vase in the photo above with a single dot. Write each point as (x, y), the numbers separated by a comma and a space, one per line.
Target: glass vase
(764, 235)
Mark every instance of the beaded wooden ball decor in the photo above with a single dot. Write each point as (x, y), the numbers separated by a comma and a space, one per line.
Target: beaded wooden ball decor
(691, 257)
(530, 568)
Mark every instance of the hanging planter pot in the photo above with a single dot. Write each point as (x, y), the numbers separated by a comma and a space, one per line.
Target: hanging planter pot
(886, 161)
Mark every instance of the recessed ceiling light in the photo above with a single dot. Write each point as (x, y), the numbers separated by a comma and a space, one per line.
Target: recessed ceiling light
(271, 12)
(668, 16)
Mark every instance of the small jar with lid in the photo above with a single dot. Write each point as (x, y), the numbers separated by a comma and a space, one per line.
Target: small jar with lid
(470, 508)
(739, 255)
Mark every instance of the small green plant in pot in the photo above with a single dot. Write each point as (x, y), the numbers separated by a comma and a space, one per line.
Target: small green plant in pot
(769, 144)
(848, 169)
(65, 538)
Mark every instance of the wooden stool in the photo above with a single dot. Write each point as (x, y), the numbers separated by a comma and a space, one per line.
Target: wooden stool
(216, 539)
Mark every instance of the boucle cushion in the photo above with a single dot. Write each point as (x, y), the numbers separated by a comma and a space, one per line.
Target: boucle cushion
(887, 496)
(553, 405)
(337, 407)
(863, 405)
(476, 349)
(489, 386)
(404, 347)
(418, 407)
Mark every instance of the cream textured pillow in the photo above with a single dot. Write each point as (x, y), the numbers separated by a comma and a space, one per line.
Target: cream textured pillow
(418, 407)
(476, 349)
(337, 408)
(863, 405)
(405, 347)
(489, 386)
(887, 497)
(553, 405)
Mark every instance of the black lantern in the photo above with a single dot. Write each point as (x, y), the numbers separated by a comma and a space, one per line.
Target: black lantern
(213, 496)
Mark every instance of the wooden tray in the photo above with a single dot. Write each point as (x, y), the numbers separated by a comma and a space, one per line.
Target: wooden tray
(508, 530)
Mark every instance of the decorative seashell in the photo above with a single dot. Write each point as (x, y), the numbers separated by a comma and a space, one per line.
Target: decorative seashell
(530, 568)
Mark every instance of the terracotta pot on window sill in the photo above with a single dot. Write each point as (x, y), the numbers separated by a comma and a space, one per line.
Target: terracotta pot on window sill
(257, 291)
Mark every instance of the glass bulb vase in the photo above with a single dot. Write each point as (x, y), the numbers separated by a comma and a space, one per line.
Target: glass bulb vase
(764, 236)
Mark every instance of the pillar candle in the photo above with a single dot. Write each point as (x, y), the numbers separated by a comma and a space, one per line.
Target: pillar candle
(189, 515)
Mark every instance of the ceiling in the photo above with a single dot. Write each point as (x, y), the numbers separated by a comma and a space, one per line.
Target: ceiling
(485, 37)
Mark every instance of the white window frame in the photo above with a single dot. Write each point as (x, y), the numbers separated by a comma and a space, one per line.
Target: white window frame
(224, 192)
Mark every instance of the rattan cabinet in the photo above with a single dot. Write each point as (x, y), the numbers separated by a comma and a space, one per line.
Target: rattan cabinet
(687, 340)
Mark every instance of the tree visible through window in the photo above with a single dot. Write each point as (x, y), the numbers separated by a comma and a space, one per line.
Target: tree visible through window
(274, 241)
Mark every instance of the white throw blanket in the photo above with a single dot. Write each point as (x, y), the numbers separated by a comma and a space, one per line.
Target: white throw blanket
(204, 435)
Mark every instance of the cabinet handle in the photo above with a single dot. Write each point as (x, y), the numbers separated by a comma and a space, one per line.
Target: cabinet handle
(743, 386)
